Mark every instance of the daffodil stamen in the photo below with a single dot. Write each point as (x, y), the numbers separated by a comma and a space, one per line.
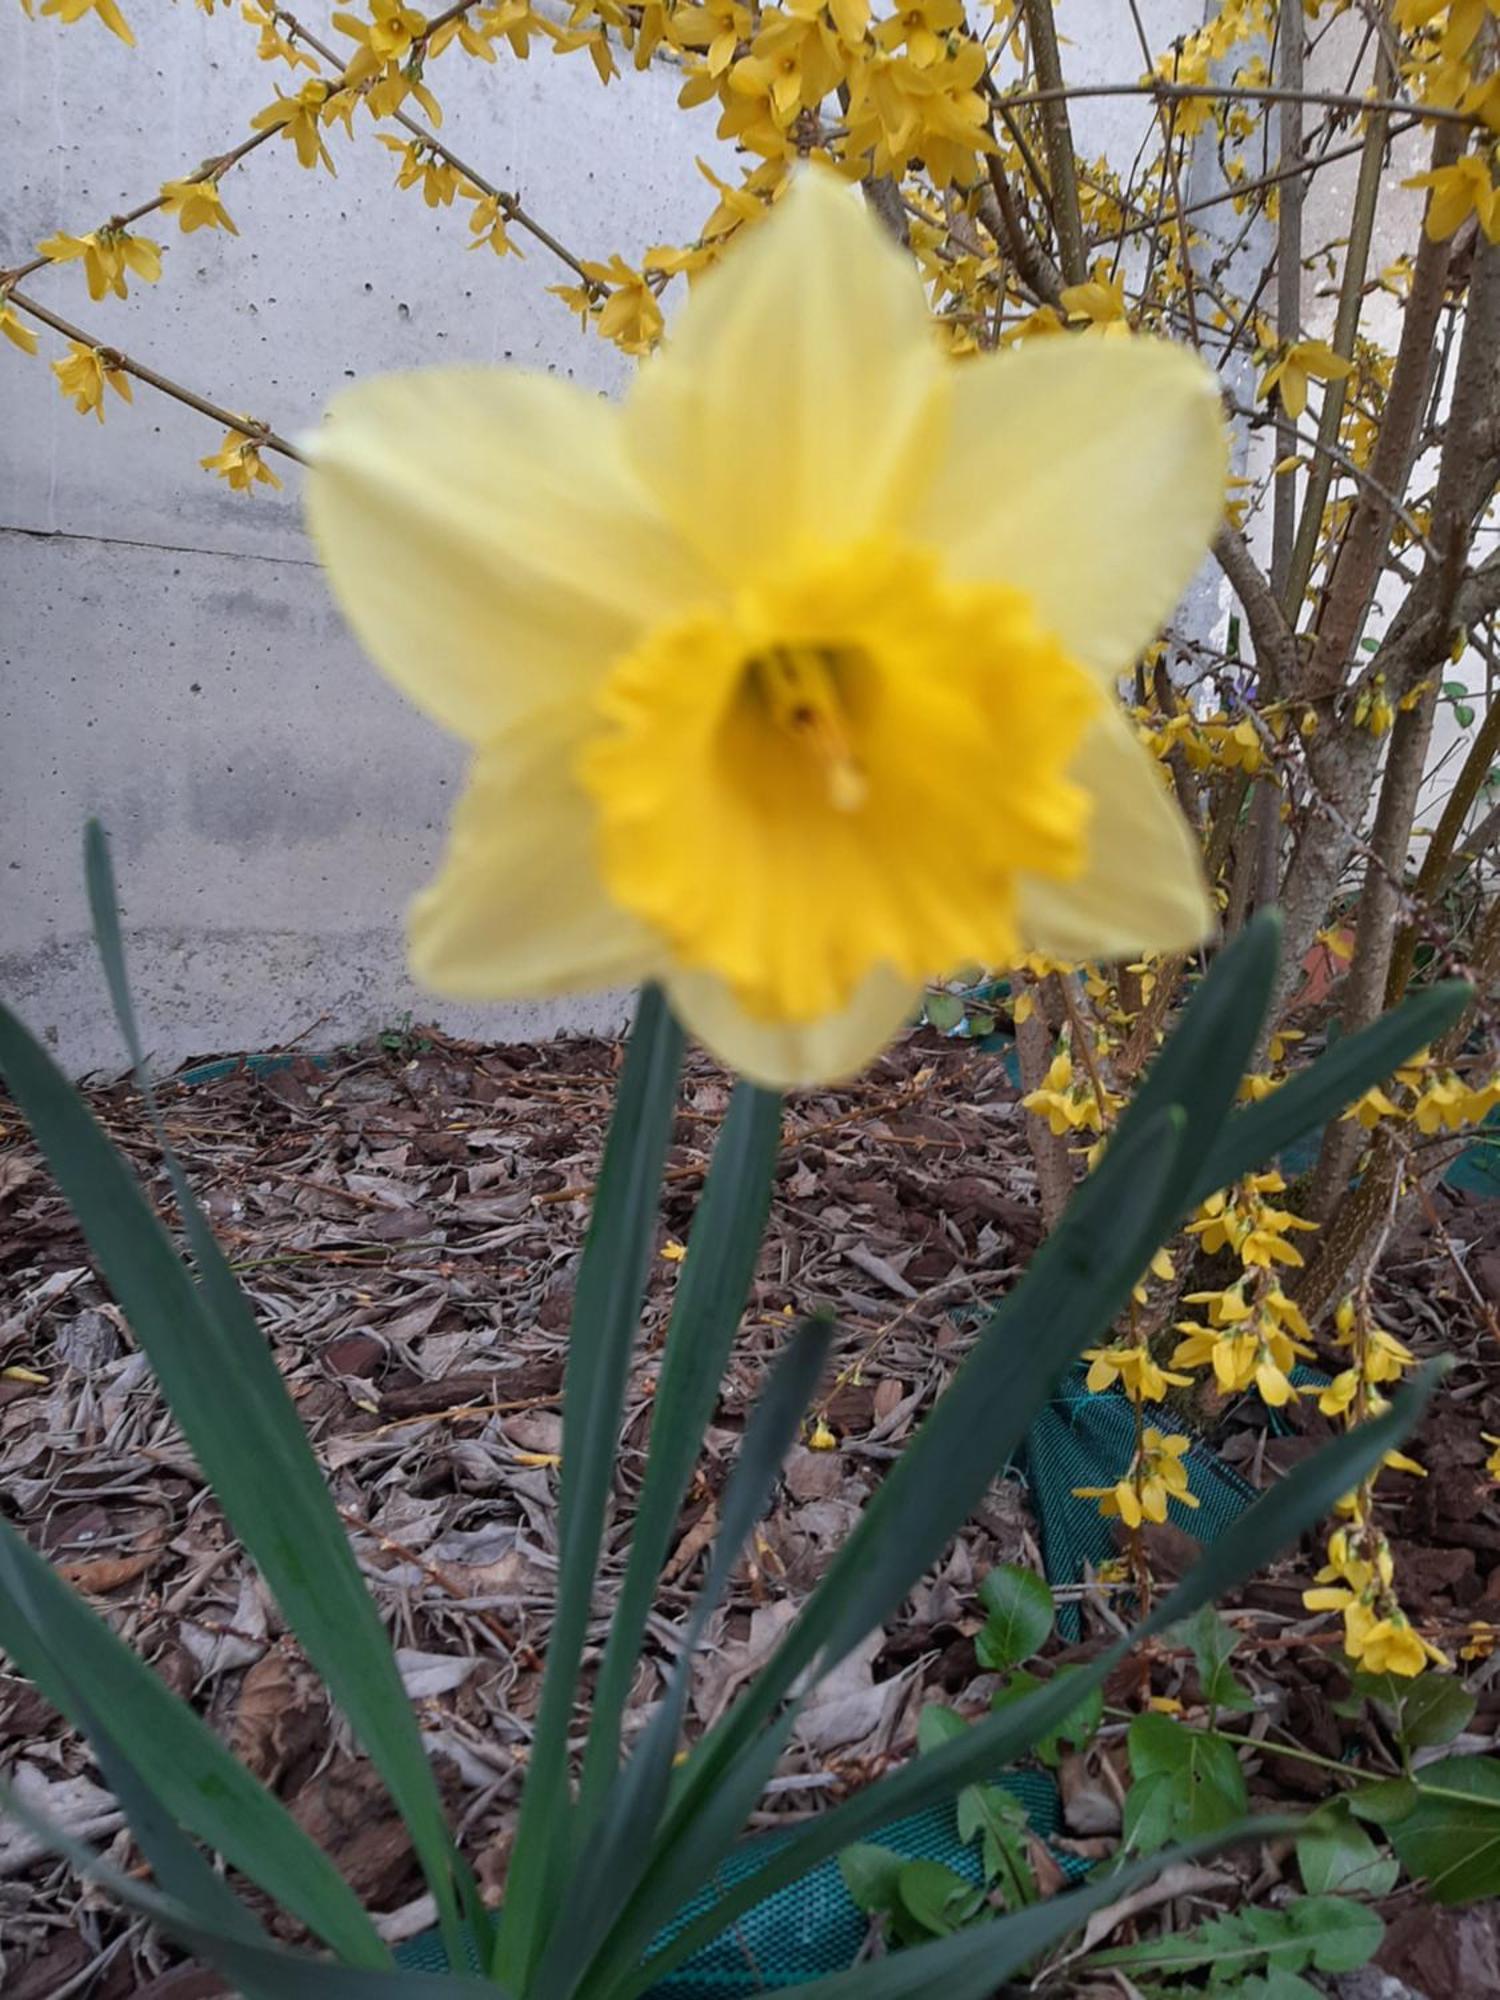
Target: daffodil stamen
(800, 686)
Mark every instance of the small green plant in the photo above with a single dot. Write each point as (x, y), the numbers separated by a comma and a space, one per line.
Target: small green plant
(400, 1039)
(1256, 1954)
(1440, 1821)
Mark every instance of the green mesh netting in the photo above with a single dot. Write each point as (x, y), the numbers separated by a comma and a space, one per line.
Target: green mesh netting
(1081, 1439)
(812, 1926)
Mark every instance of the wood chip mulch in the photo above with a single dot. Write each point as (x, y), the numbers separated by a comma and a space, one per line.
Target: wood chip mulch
(407, 1218)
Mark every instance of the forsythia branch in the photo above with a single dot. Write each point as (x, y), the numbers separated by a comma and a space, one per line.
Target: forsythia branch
(259, 434)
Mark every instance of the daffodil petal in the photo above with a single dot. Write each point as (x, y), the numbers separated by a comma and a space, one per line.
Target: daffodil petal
(1088, 472)
(1142, 887)
(787, 1055)
(518, 909)
(487, 540)
(800, 389)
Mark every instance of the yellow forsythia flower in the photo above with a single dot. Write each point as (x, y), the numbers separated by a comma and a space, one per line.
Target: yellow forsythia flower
(740, 657)
(107, 11)
(388, 37)
(1459, 191)
(197, 205)
(83, 377)
(16, 330)
(300, 119)
(1101, 301)
(1295, 366)
(1157, 1477)
(1482, 1641)
(1144, 1380)
(487, 220)
(238, 461)
(107, 255)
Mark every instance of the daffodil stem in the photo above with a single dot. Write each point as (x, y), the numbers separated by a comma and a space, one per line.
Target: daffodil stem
(258, 434)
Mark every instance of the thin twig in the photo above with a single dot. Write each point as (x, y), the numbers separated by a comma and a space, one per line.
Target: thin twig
(259, 434)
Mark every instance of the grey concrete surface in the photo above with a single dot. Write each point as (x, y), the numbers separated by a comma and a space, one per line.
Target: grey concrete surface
(169, 656)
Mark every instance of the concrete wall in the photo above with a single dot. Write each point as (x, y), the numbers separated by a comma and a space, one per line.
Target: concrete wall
(169, 656)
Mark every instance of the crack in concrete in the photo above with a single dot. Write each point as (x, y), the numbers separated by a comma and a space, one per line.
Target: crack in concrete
(160, 548)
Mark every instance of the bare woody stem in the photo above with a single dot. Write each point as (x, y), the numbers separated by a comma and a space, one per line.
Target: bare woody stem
(206, 170)
(1440, 849)
(509, 203)
(1058, 135)
(1288, 287)
(260, 435)
(1310, 164)
(1333, 100)
(1049, 1152)
(1359, 560)
(1346, 326)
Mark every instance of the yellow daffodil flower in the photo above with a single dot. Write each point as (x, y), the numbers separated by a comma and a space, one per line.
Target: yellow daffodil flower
(790, 680)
